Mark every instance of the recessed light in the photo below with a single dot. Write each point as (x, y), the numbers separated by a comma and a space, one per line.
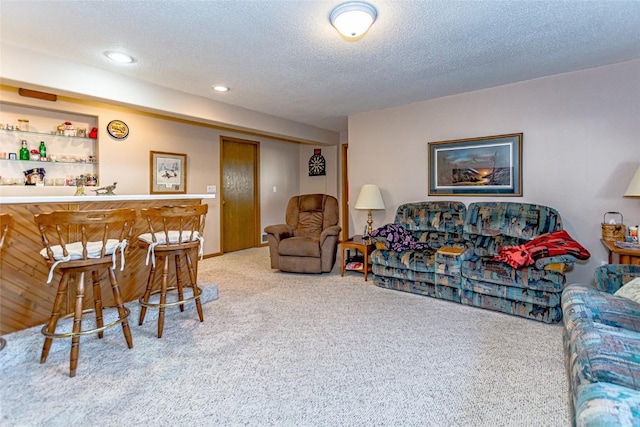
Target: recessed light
(123, 58)
(220, 88)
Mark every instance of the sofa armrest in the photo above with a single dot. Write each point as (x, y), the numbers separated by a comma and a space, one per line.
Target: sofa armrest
(609, 278)
(567, 260)
(279, 231)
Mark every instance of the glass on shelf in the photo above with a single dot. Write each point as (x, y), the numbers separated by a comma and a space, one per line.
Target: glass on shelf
(7, 128)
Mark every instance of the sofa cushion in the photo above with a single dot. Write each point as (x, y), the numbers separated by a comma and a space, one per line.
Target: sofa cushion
(603, 404)
(300, 246)
(520, 220)
(518, 308)
(442, 216)
(601, 353)
(487, 270)
(541, 298)
(420, 261)
(581, 303)
(403, 273)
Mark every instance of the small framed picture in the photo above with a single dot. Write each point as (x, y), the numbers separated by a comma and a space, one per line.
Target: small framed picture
(81, 133)
(168, 173)
(13, 156)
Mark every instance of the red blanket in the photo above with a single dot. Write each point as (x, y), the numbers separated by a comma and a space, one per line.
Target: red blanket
(545, 245)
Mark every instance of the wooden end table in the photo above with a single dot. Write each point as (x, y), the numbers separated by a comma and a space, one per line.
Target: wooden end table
(360, 246)
(622, 256)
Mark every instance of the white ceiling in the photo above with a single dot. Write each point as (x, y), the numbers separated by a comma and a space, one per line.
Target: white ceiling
(284, 58)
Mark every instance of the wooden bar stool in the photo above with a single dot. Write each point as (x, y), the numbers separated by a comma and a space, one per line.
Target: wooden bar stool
(174, 231)
(5, 223)
(76, 243)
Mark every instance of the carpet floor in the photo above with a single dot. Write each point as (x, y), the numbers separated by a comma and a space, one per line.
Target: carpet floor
(281, 349)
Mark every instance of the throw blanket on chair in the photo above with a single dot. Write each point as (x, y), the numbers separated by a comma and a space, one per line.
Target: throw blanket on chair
(545, 245)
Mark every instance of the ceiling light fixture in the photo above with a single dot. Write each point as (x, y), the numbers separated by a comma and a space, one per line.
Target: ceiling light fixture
(120, 57)
(220, 88)
(353, 19)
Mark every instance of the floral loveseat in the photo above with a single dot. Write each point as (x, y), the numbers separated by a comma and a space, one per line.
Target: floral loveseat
(471, 255)
(602, 349)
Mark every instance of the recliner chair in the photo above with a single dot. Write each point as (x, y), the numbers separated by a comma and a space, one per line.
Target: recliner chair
(307, 242)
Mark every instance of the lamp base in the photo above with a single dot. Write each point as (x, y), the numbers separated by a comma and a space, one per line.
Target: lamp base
(369, 228)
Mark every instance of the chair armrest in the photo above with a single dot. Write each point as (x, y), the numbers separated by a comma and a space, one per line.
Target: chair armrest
(333, 230)
(279, 231)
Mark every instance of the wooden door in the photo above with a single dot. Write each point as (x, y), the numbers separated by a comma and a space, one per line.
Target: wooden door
(239, 195)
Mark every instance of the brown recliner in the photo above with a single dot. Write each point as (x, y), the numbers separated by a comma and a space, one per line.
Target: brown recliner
(307, 242)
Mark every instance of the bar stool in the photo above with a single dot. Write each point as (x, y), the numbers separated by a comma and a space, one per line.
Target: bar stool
(5, 223)
(174, 231)
(76, 243)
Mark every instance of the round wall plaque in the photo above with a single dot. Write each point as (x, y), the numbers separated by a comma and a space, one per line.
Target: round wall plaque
(118, 129)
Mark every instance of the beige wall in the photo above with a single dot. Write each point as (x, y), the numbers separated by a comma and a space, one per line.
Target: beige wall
(581, 146)
(127, 161)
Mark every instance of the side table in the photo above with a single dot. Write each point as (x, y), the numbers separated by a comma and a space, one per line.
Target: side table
(360, 246)
(623, 256)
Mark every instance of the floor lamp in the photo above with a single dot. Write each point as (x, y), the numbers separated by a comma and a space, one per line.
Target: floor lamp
(369, 199)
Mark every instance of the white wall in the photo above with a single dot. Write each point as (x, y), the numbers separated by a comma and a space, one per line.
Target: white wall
(581, 146)
(279, 168)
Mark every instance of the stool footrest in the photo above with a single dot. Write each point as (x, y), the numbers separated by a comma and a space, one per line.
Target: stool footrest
(88, 331)
(170, 304)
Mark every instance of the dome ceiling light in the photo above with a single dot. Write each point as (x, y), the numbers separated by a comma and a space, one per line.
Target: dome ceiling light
(120, 57)
(353, 19)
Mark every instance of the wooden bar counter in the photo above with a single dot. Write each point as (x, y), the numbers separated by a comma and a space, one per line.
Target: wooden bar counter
(25, 298)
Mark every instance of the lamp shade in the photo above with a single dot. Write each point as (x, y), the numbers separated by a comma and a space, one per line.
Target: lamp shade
(369, 198)
(353, 19)
(634, 186)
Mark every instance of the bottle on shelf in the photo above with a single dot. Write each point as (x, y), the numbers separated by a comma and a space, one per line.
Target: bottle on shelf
(43, 151)
(24, 151)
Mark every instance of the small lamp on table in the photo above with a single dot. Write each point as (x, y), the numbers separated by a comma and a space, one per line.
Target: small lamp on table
(634, 186)
(369, 199)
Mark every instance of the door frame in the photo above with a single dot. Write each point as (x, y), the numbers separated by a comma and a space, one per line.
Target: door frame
(345, 192)
(256, 188)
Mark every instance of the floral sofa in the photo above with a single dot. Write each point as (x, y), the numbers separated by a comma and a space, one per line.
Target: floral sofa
(458, 253)
(602, 349)
(405, 255)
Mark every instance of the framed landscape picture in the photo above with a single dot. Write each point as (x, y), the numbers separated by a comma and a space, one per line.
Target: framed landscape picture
(168, 173)
(486, 166)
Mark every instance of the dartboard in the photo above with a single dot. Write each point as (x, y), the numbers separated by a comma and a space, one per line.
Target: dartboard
(316, 164)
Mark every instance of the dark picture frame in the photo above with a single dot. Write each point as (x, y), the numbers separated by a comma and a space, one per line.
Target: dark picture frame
(168, 173)
(485, 166)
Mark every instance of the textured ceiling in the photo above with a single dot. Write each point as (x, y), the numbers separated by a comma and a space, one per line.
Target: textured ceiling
(284, 58)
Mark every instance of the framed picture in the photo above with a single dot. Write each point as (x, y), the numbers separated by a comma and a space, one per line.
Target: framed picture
(486, 166)
(168, 173)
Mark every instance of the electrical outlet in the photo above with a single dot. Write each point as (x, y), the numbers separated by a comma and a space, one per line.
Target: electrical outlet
(211, 189)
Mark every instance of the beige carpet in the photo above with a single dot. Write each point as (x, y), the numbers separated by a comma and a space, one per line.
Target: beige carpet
(296, 350)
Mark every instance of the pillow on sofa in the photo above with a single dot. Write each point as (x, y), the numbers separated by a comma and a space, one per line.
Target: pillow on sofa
(630, 290)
